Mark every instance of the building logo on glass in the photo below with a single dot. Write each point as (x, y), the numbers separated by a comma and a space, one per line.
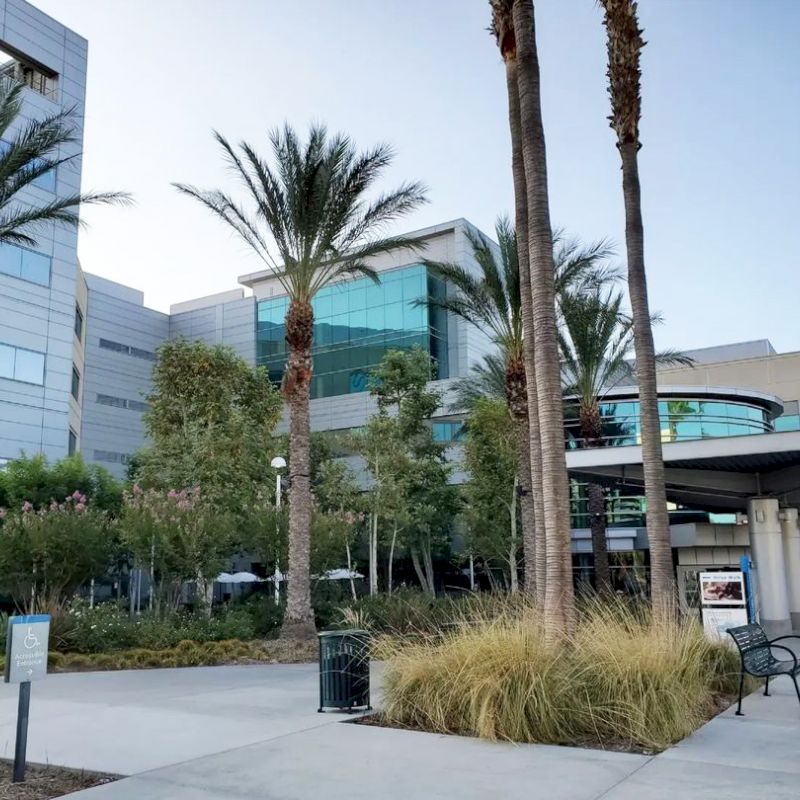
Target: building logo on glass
(26, 648)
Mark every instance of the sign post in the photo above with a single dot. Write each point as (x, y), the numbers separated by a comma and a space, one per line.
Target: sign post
(26, 661)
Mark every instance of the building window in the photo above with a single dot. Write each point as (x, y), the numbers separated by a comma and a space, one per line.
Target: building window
(19, 364)
(136, 352)
(28, 265)
(16, 67)
(355, 324)
(78, 322)
(111, 457)
(76, 384)
(72, 445)
(121, 402)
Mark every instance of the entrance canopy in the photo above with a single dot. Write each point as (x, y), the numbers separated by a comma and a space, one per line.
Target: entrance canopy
(716, 475)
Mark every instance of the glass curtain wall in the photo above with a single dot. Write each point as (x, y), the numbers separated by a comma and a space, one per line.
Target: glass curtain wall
(355, 324)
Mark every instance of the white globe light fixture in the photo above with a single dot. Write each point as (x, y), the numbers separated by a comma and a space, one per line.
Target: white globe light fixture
(278, 463)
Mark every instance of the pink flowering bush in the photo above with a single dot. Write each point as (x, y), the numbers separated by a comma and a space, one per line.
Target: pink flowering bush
(46, 554)
(177, 536)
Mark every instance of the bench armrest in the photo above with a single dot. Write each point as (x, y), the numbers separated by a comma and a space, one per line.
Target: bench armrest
(788, 636)
(790, 652)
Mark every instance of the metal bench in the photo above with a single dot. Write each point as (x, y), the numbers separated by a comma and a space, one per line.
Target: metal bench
(755, 650)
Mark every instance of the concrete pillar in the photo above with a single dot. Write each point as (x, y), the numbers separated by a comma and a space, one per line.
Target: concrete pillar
(791, 557)
(766, 544)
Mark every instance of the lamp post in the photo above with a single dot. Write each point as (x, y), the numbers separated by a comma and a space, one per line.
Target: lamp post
(278, 463)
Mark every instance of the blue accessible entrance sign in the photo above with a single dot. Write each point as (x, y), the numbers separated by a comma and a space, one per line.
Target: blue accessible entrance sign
(26, 661)
(26, 648)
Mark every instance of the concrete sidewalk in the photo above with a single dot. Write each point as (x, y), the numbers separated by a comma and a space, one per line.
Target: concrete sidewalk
(236, 732)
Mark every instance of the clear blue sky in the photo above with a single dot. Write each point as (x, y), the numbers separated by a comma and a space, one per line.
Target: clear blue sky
(720, 164)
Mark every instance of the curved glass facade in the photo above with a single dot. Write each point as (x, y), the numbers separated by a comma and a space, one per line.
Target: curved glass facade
(682, 419)
(355, 324)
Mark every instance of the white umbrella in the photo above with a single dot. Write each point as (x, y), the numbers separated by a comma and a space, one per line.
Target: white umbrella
(224, 577)
(282, 576)
(244, 577)
(340, 575)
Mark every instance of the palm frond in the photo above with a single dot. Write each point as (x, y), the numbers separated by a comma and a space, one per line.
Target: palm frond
(487, 378)
(307, 216)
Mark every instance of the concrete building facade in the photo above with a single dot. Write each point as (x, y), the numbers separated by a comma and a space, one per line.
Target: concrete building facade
(40, 291)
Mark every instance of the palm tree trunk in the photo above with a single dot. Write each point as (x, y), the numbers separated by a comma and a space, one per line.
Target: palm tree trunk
(512, 547)
(597, 523)
(559, 595)
(526, 504)
(662, 576)
(298, 621)
(534, 540)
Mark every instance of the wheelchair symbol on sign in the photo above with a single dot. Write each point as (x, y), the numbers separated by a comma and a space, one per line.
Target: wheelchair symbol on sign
(30, 641)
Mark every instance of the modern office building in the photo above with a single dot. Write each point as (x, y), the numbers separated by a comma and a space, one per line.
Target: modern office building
(77, 351)
(42, 299)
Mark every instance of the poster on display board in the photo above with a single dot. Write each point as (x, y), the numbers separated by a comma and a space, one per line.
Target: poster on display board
(722, 589)
(716, 621)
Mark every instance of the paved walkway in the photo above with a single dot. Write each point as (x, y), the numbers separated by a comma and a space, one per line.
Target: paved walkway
(236, 732)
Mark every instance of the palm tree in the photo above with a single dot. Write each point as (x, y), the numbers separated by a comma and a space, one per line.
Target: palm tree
(559, 596)
(596, 343)
(311, 223)
(624, 73)
(492, 301)
(502, 28)
(32, 150)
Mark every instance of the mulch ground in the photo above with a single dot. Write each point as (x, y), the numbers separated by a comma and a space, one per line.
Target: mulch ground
(43, 782)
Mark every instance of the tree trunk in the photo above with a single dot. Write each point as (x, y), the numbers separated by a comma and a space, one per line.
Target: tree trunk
(591, 423)
(427, 563)
(530, 443)
(529, 555)
(298, 621)
(350, 571)
(373, 554)
(662, 575)
(512, 549)
(597, 523)
(421, 576)
(390, 577)
(559, 595)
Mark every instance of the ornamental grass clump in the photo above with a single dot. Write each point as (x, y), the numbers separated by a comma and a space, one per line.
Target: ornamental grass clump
(620, 681)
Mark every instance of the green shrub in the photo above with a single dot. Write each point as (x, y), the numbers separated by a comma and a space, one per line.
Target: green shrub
(109, 627)
(620, 680)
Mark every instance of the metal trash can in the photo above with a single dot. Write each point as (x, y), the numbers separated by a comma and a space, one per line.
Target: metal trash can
(344, 670)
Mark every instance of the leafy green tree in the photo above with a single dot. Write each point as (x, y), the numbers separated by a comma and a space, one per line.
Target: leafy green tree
(29, 151)
(210, 421)
(180, 536)
(34, 480)
(310, 221)
(340, 512)
(47, 553)
(416, 478)
(490, 456)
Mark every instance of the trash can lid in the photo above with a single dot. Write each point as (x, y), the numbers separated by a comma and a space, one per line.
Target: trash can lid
(349, 632)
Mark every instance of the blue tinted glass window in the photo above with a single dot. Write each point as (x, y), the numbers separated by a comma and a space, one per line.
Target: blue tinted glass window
(35, 267)
(394, 316)
(6, 361)
(374, 294)
(29, 366)
(323, 306)
(357, 297)
(10, 260)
